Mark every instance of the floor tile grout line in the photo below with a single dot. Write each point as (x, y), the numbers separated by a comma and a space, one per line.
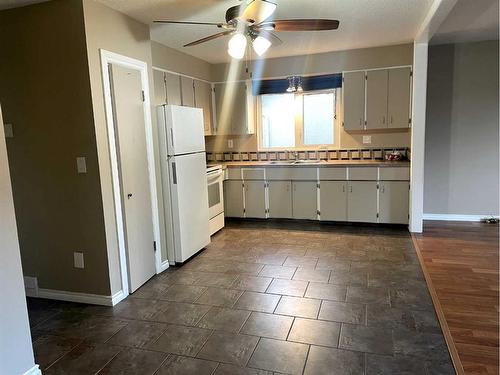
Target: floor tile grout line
(307, 358)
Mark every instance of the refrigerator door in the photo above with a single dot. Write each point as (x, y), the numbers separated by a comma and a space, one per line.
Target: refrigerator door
(189, 204)
(184, 130)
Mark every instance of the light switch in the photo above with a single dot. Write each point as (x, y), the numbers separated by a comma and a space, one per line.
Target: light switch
(81, 164)
(367, 139)
(230, 143)
(78, 259)
(9, 131)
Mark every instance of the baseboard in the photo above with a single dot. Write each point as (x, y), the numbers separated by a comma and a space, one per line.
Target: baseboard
(163, 266)
(454, 217)
(93, 299)
(35, 370)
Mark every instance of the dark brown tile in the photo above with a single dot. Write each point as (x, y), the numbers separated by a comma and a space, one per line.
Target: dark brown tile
(311, 274)
(183, 293)
(326, 291)
(280, 356)
(279, 272)
(153, 289)
(268, 325)
(428, 346)
(229, 348)
(366, 339)
(342, 312)
(257, 302)
(245, 268)
(252, 283)
(221, 280)
(177, 365)
(358, 278)
(301, 261)
(224, 319)
(48, 349)
(219, 297)
(317, 332)
(181, 313)
(140, 309)
(134, 362)
(287, 287)
(299, 307)
(332, 264)
(225, 369)
(402, 365)
(324, 360)
(357, 294)
(181, 340)
(271, 259)
(138, 334)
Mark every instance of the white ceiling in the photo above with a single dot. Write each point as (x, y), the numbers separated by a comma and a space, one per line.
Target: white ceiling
(363, 23)
(469, 21)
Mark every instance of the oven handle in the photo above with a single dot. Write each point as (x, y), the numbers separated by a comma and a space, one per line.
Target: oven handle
(214, 174)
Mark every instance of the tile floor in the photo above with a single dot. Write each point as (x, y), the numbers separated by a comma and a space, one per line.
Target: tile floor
(263, 298)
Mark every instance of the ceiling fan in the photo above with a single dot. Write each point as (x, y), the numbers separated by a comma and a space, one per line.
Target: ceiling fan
(254, 20)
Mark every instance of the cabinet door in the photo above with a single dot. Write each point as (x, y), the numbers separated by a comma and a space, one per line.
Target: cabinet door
(187, 90)
(399, 98)
(280, 199)
(160, 90)
(333, 200)
(231, 108)
(362, 201)
(354, 100)
(239, 124)
(393, 202)
(203, 100)
(233, 198)
(304, 200)
(173, 89)
(376, 99)
(255, 199)
(222, 118)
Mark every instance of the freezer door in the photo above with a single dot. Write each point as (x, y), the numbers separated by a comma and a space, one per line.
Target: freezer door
(185, 130)
(189, 204)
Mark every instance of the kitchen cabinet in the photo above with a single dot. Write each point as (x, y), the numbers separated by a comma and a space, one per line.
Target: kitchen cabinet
(203, 100)
(173, 85)
(398, 110)
(362, 201)
(231, 108)
(233, 198)
(393, 202)
(376, 99)
(304, 200)
(280, 199)
(255, 199)
(160, 89)
(354, 100)
(333, 200)
(187, 91)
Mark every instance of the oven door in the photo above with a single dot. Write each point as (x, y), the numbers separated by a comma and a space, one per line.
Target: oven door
(215, 197)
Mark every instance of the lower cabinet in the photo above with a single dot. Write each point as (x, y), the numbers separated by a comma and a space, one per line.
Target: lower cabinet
(304, 200)
(393, 202)
(333, 200)
(255, 199)
(280, 199)
(233, 198)
(362, 201)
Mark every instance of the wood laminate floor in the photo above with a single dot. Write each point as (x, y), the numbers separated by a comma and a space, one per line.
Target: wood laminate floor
(462, 261)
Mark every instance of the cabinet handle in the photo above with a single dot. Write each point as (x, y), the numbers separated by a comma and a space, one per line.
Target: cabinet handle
(383, 120)
(350, 189)
(343, 188)
(392, 120)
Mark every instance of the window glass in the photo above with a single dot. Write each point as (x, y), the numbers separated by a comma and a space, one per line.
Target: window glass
(319, 112)
(278, 120)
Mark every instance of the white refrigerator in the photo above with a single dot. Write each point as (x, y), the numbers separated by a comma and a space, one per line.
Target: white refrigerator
(184, 181)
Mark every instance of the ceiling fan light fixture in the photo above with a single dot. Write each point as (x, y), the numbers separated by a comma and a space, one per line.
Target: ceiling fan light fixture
(261, 45)
(237, 45)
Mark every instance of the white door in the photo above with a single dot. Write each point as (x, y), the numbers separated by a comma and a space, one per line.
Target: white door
(133, 165)
(185, 130)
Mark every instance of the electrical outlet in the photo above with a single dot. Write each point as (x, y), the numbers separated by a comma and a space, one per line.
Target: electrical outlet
(367, 139)
(230, 143)
(81, 164)
(78, 259)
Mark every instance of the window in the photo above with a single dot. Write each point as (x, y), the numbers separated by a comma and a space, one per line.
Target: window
(297, 120)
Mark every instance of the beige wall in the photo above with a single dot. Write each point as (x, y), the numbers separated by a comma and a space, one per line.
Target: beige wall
(332, 62)
(16, 352)
(175, 61)
(461, 136)
(45, 95)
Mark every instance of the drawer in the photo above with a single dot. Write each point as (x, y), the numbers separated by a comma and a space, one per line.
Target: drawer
(253, 173)
(292, 173)
(233, 173)
(363, 173)
(332, 173)
(394, 173)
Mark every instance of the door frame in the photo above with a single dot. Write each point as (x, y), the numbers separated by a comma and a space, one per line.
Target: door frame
(107, 58)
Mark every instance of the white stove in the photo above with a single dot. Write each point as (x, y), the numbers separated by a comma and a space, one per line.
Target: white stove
(215, 180)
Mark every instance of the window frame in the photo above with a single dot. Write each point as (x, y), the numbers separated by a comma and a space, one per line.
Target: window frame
(299, 123)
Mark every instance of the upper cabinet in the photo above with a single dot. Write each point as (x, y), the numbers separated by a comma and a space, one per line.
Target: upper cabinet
(233, 108)
(160, 91)
(203, 100)
(377, 99)
(187, 91)
(173, 83)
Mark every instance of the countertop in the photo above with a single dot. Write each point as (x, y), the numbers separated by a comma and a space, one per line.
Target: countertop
(319, 163)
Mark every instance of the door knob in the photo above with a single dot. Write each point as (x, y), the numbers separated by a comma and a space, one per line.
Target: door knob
(129, 195)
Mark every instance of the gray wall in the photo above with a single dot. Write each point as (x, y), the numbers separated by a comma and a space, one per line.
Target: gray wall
(16, 353)
(461, 140)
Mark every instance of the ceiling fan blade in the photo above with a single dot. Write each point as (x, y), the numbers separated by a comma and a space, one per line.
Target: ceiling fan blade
(302, 25)
(272, 37)
(218, 24)
(207, 38)
(258, 11)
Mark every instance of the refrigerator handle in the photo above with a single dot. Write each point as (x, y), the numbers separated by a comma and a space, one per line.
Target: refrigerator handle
(174, 174)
